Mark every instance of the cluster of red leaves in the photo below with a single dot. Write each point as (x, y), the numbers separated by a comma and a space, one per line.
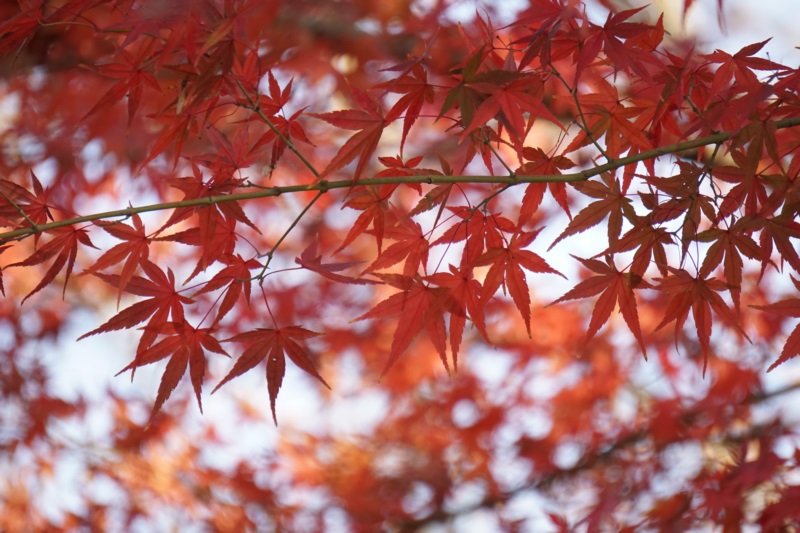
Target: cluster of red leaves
(689, 160)
(494, 95)
(505, 84)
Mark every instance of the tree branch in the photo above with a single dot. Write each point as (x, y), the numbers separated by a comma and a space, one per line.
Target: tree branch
(324, 186)
(493, 500)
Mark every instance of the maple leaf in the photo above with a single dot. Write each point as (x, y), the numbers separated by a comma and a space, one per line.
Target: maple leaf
(698, 294)
(750, 189)
(606, 114)
(479, 230)
(615, 288)
(684, 199)
(508, 101)
(374, 208)
(163, 302)
(195, 186)
(463, 94)
(788, 307)
(229, 156)
(273, 105)
(729, 245)
(740, 66)
(312, 261)
(411, 246)
(185, 346)
(779, 230)
(420, 306)
(291, 130)
(507, 263)
(64, 247)
(648, 240)
(611, 203)
(416, 91)
(463, 300)
(14, 198)
(135, 251)
(272, 345)
(132, 75)
(622, 55)
(370, 123)
(20, 28)
(541, 164)
(236, 276)
(178, 126)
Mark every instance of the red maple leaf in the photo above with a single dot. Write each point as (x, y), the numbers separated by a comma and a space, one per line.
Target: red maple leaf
(64, 247)
(512, 95)
(420, 306)
(729, 246)
(163, 302)
(698, 294)
(132, 73)
(369, 123)
(416, 92)
(614, 287)
(374, 207)
(788, 307)
(779, 230)
(542, 164)
(312, 261)
(463, 300)
(236, 276)
(627, 55)
(272, 345)
(611, 203)
(740, 66)
(185, 346)
(135, 250)
(507, 263)
(606, 114)
(411, 246)
(479, 230)
(648, 240)
(35, 206)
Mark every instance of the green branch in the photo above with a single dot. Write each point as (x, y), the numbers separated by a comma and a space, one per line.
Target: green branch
(324, 186)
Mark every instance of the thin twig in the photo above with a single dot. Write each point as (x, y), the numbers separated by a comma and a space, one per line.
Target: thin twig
(257, 109)
(294, 223)
(22, 213)
(585, 126)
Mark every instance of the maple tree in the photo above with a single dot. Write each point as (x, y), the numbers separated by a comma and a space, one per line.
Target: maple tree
(557, 252)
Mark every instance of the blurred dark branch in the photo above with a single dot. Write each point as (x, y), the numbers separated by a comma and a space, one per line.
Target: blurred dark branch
(604, 456)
